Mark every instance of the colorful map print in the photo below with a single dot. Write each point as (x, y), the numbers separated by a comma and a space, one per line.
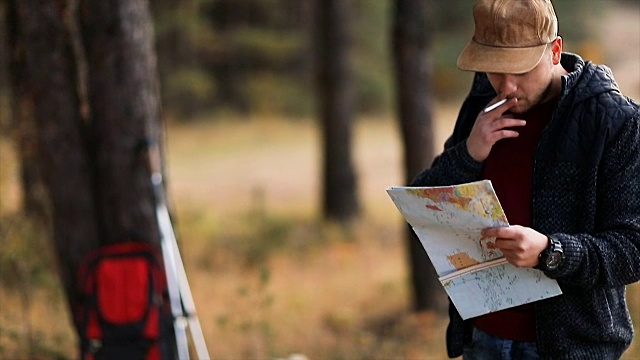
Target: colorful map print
(473, 197)
(448, 221)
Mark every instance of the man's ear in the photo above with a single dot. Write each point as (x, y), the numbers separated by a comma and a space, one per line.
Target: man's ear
(556, 50)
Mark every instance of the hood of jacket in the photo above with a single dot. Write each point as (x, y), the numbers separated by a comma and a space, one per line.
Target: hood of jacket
(585, 79)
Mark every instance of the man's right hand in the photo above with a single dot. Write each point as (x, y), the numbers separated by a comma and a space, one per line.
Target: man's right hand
(490, 127)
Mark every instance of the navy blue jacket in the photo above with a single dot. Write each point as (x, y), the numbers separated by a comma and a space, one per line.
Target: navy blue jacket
(586, 192)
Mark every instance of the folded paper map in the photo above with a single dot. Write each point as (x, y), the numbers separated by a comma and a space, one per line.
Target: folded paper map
(448, 221)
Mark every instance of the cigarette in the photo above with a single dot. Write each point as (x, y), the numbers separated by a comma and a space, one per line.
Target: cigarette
(489, 108)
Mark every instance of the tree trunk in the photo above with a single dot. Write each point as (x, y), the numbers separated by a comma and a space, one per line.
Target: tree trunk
(50, 92)
(335, 90)
(125, 114)
(92, 137)
(414, 102)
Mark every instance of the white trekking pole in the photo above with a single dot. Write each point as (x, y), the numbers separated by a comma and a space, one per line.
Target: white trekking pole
(182, 305)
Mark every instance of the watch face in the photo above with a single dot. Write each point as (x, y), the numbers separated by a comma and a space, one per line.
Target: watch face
(554, 260)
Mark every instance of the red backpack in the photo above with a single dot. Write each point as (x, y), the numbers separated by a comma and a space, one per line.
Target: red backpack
(123, 312)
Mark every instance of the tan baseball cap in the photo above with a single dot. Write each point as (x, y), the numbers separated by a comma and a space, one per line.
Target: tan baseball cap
(510, 36)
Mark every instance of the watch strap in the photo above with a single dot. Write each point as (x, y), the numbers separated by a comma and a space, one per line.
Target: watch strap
(554, 246)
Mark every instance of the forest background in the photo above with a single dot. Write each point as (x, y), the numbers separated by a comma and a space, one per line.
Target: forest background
(271, 279)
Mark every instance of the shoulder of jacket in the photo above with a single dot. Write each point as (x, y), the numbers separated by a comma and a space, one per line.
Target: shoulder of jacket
(594, 88)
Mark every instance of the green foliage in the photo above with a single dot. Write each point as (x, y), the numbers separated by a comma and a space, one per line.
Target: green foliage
(449, 83)
(576, 17)
(273, 93)
(268, 45)
(257, 56)
(190, 90)
(372, 55)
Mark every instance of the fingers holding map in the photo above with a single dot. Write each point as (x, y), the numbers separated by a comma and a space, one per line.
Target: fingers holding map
(448, 220)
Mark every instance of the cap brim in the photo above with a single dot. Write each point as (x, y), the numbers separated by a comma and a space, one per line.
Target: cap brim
(490, 59)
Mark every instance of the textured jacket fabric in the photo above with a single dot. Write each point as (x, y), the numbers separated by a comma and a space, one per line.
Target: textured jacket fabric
(586, 192)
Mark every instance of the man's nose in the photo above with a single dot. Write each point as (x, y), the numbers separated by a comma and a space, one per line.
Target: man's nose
(508, 84)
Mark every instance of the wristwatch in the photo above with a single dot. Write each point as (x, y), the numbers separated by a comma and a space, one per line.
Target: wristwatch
(551, 257)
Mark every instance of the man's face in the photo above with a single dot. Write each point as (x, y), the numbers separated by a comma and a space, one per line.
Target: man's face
(529, 88)
(533, 87)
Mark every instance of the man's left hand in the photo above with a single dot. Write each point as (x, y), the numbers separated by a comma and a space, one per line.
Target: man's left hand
(520, 245)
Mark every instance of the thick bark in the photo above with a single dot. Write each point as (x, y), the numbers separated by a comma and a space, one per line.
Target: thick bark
(22, 125)
(125, 114)
(335, 90)
(92, 136)
(414, 102)
(49, 90)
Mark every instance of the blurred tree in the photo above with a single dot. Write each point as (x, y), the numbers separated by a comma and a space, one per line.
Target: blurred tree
(5, 58)
(414, 99)
(335, 93)
(124, 99)
(92, 158)
(21, 125)
(45, 92)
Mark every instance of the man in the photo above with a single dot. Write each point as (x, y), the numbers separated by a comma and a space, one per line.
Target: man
(563, 154)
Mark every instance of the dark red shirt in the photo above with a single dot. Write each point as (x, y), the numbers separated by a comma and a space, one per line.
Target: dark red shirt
(510, 169)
